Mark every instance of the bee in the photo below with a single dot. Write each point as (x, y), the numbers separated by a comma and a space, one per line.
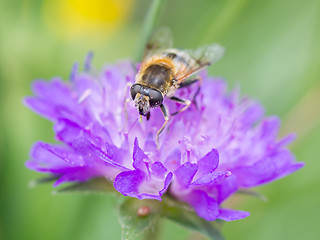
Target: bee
(165, 69)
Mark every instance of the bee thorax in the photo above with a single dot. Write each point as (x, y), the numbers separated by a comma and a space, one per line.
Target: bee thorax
(157, 77)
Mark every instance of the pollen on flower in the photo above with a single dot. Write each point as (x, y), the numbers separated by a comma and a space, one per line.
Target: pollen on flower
(218, 146)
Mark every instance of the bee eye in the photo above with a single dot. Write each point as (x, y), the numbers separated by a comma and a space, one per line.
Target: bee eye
(135, 88)
(156, 98)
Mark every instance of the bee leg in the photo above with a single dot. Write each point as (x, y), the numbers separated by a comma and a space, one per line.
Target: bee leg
(190, 82)
(166, 118)
(197, 92)
(185, 102)
(148, 116)
(187, 83)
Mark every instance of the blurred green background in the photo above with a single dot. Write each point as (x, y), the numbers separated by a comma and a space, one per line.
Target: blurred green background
(273, 53)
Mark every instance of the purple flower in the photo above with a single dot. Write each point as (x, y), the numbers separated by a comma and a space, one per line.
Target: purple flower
(221, 144)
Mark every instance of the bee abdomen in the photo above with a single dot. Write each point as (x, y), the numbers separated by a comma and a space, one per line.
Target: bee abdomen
(178, 57)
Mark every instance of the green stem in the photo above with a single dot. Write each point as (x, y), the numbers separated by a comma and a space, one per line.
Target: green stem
(148, 26)
(226, 16)
(154, 232)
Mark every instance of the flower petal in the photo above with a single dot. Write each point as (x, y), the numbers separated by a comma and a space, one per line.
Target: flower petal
(46, 157)
(205, 206)
(63, 161)
(166, 183)
(208, 163)
(138, 156)
(158, 169)
(226, 188)
(135, 184)
(185, 173)
(231, 215)
(128, 183)
(267, 169)
(62, 105)
(212, 178)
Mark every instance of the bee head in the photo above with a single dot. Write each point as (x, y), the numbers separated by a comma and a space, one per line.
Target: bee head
(142, 103)
(145, 98)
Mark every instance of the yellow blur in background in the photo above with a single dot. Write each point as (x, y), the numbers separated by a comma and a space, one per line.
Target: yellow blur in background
(70, 19)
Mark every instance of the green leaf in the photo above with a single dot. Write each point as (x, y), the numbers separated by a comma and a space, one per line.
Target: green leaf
(185, 216)
(139, 218)
(95, 185)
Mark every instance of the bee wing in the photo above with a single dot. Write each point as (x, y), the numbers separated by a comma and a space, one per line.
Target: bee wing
(160, 39)
(200, 58)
